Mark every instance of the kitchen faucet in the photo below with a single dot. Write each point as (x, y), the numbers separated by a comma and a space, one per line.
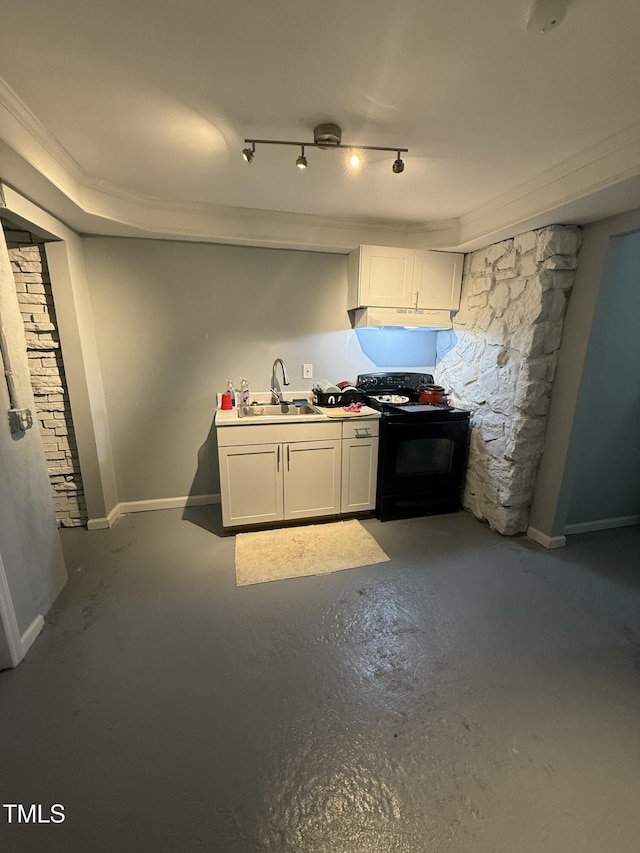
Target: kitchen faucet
(276, 393)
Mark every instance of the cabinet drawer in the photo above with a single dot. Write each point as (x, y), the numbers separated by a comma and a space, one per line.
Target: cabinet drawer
(266, 433)
(361, 428)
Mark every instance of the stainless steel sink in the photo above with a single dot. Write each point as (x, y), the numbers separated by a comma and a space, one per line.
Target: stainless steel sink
(279, 410)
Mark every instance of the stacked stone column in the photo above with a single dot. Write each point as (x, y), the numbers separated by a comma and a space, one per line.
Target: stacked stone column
(500, 362)
(53, 411)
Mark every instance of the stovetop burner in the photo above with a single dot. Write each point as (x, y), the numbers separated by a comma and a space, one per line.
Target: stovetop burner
(408, 385)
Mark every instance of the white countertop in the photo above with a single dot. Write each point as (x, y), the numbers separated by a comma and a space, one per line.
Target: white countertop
(230, 417)
(338, 413)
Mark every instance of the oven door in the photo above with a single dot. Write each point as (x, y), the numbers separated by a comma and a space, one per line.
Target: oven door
(421, 466)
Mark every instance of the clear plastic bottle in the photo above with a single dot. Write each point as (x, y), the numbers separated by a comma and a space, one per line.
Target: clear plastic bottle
(231, 390)
(244, 392)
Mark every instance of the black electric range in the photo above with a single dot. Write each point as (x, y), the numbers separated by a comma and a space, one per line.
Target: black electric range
(423, 447)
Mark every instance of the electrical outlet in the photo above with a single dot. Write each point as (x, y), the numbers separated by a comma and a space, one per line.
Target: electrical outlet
(307, 371)
(20, 420)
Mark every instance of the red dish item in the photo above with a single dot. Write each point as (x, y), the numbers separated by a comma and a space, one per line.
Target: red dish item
(432, 394)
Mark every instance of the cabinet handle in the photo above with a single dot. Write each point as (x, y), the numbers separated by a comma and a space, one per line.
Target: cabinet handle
(278, 460)
(288, 457)
(417, 292)
(362, 432)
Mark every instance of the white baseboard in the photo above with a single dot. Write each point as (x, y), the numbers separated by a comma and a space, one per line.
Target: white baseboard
(149, 506)
(545, 540)
(30, 635)
(602, 524)
(168, 503)
(104, 523)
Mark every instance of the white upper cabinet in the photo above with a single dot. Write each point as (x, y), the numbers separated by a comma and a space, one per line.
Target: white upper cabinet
(437, 279)
(387, 277)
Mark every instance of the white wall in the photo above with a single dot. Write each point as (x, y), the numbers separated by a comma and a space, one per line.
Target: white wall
(564, 450)
(606, 483)
(82, 370)
(174, 321)
(30, 548)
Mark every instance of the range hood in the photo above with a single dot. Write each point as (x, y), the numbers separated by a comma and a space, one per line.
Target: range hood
(401, 318)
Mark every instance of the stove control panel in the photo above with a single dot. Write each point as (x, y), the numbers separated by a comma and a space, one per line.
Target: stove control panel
(393, 381)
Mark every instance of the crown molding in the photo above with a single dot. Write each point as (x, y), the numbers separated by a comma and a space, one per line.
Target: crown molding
(101, 207)
(612, 161)
(26, 134)
(197, 221)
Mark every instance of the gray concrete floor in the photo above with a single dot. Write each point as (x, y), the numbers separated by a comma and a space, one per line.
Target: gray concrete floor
(475, 694)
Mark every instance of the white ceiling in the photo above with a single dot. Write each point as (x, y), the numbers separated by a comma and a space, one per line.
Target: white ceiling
(130, 116)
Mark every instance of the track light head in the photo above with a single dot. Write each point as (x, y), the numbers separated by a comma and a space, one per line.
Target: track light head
(301, 162)
(546, 15)
(398, 165)
(249, 153)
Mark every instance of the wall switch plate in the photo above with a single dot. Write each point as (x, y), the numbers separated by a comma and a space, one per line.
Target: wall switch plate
(307, 371)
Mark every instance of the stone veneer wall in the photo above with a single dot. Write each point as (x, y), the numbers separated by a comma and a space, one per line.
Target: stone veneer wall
(500, 362)
(53, 411)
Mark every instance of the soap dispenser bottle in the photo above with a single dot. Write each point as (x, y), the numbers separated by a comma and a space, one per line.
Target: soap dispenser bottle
(231, 391)
(244, 392)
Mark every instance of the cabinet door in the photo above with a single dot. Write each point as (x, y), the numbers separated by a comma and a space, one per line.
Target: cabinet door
(359, 473)
(438, 279)
(251, 484)
(386, 277)
(311, 478)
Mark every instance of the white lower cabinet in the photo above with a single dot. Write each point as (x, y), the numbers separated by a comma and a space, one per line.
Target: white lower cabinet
(359, 466)
(332, 473)
(263, 480)
(251, 484)
(311, 479)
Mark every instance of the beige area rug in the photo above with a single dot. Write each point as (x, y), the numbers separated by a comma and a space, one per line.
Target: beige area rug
(292, 552)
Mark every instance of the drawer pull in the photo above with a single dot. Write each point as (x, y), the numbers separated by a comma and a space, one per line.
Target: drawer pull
(362, 432)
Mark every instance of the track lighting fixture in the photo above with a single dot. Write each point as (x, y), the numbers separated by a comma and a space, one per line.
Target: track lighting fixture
(324, 136)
